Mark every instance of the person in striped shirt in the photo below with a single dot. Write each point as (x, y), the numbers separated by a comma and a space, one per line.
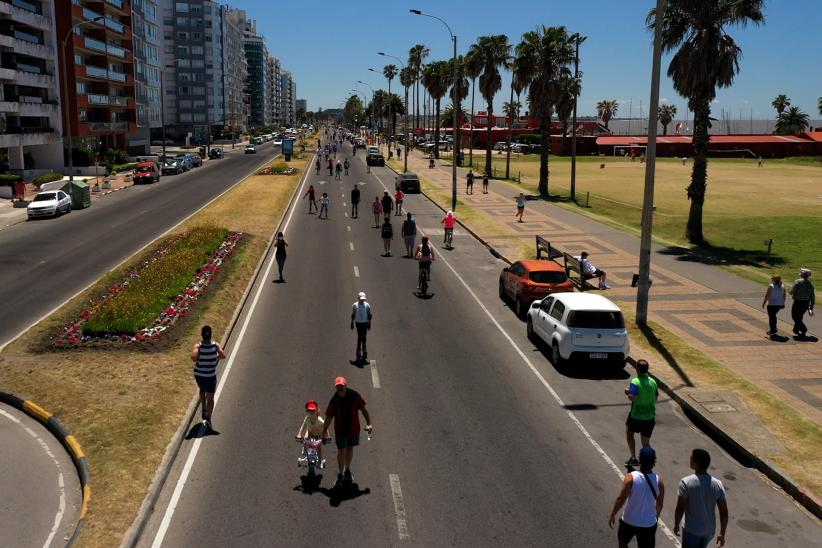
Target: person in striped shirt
(205, 356)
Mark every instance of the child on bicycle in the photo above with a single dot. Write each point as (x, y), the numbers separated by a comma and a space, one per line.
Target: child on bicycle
(312, 426)
(425, 256)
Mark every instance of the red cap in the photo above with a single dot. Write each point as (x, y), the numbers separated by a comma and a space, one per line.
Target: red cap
(340, 381)
(311, 406)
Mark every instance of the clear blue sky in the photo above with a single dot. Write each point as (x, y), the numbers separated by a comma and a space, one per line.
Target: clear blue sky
(328, 46)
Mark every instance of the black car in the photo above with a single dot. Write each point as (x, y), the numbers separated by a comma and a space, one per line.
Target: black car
(215, 154)
(408, 183)
(375, 159)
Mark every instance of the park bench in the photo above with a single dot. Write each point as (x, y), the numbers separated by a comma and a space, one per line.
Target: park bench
(573, 269)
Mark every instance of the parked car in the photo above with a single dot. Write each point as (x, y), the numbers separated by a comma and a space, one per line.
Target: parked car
(196, 160)
(215, 154)
(408, 183)
(250, 149)
(528, 280)
(373, 150)
(185, 161)
(579, 326)
(359, 143)
(278, 142)
(375, 159)
(258, 140)
(173, 166)
(146, 172)
(49, 203)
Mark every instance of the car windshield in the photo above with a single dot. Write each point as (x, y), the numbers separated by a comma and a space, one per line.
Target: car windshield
(45, 197)
(548, 277)
(596, 319)
(142, 169)
(171, 163)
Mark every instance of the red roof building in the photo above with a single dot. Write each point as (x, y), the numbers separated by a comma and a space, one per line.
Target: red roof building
(766, 146)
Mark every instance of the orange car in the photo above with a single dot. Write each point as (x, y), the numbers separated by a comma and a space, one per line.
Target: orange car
(528, 280)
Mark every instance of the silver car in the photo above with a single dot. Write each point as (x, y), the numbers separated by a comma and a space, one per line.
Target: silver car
(50, 203)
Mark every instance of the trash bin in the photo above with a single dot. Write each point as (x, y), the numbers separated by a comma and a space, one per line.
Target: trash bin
(80, 194)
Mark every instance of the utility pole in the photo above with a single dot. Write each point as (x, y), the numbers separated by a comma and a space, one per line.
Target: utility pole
(578, 41)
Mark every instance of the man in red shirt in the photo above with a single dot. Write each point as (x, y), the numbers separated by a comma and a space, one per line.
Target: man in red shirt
(344, 407)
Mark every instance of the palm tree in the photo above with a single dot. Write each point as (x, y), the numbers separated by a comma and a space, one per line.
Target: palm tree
(565, 105)
(435, 78)
(792, 121)
(780, 103)
(819, 105)
(390, 71)
(407, 80)
(706, 58)
(448, 114)
(511, 109)
(458, 95)
(606, 110)
(492, 52)
(666, 114)
(542, 63)
(473, 68)
(392, 108)
(416, 55)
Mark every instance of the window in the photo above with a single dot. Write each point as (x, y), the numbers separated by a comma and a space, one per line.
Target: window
(197, 63)
(558, 311)
(78, 59)
(199, 117)
(196, 50)
(185, 103)
(546, 304)
(182, 21)
(81, 88)
(183, 63)
(82, 115)
(596, 319)
(185, 117)
(182, 36)
(548, 277)
(182, 50)
(183, 77)
(181, 7)
(196, 36)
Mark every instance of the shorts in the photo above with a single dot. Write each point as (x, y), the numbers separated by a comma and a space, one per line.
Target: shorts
(645, 536)
(690, 540)
(409, 240)
(347, 441)
(642, 427)
(207, 384)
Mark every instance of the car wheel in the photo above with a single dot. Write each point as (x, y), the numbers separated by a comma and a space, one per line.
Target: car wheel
(556, 358)
(529, 330)
(519, 308)
(68, 209)
(502, 291)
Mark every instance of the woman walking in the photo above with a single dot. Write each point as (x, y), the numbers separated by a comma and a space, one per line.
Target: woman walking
(279, 245)
(205, 356)
(775, 301)
(376, 208)
(387, 235)
(520, 206)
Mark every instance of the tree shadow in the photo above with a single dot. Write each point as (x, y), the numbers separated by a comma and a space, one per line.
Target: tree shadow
(720, 255)
(657, 345)
(200, 430)
(336, 495)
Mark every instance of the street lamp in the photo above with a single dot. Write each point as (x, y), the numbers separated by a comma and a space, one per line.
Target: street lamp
(372, 93)
(578, 40)
(405, 118)
(456, 83)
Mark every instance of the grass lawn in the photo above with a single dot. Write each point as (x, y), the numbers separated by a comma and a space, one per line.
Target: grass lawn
(744, 205)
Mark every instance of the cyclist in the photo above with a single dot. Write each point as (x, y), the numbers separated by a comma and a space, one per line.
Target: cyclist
(425, 256)
(448, 222)
(312, 426)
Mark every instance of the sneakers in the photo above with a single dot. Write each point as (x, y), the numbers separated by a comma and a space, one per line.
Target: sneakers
(339, 481)
(207, 424)
(604, 286)
(347, 477)
(632, 462)
(322, 464)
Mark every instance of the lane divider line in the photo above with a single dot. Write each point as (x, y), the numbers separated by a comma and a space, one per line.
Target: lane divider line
(351, 246)
(356, 272)
(399, 506)
(375, 377)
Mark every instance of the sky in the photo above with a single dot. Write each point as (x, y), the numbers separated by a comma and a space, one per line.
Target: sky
(329, 45)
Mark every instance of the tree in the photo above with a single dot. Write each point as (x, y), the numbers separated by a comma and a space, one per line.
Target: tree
(780, 103)
(606, 110)
(792, 121)
(458, 94)
(416, 55)
(407, 79)
(491, 52)
(353, 109)
(448, 115)
(569, 90)
(393, 107)
(435, 78)
(666, 114)
(473, 68)
(390, 72)
(706, 58)
(542, 63)
(819, 105)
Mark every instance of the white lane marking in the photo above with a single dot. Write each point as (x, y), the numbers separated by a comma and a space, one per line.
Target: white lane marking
(343, 204)
(399, 506)
(178, 489)
(375, 377)
(356, 272)
(343, 194)
(61, 485)
(351, 246)
(346, 214)
(349, 228)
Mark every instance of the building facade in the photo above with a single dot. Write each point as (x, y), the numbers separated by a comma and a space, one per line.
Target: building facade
(30, 115)
(302, 104)
(288, 99)
(145, 20)
(256, 54)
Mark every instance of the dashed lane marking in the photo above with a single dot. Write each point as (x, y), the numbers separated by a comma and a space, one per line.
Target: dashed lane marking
(399, 506)
(375, 377)
(351, 246)
(356, 272)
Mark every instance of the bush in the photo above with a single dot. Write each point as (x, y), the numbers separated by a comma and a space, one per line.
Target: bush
(7, 179)
(117, 168)
(46, 178)
(529, 138)
(83, 156)
(277, 168)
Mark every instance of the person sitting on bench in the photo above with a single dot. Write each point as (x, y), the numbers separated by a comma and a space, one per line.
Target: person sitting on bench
(590, 271)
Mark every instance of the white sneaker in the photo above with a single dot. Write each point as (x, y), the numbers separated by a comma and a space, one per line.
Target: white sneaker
(604, 286)
(322, 464)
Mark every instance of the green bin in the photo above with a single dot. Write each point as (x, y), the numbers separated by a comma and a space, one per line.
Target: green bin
(80, 194)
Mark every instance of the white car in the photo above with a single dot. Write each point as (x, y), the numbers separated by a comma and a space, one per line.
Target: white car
(278, 142)
(584, 326)
(373, 150)
(50, 203)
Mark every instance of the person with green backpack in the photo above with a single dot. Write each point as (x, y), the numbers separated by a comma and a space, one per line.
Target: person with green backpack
(643, 393)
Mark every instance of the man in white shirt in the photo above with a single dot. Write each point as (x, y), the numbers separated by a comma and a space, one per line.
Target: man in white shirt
(361, 318)
(590, 271)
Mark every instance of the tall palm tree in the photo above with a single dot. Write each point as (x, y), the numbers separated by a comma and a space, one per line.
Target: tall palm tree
(407, 79)
(565, 105)
(607, 109)
(416, 55)
(435, 78)
(543, 60)
(511, 109)
(448, 114)
(390, 72)
(706, 58)
(792, 121)
(457, 95)
(666, 114)
(819, 105)
(491, 52)
(780, 103)
(473, 68)
(392, 108)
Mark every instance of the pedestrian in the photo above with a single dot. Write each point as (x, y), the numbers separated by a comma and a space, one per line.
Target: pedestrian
(330, 167)
(804, 297)
(355, 201)
(205, 356)
(643, 494)
(775, 301)
(376, 208)
(387, 204)
(312, 201)
(361, 319)
(387, 234)
(345, 406)
(324, 205)
(643, 393)
(589, 271)
(338, 170)
(399, 196)
(485, 183)
(346, 165)
(697, 496)
(317, 164)
(399, 152)
(469, 182)
(279, 245)
(409, 235)
(520, 206)
(430, 161)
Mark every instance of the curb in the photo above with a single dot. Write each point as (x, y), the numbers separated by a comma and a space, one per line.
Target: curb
(59, 430)
(769, 469)
(134, 532)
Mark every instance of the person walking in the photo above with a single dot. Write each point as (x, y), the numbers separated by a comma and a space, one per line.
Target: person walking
(643, 393)
(387, 234)
(205, 356)
(345, 406)
(324, 206)
(643, 494)
(361, 319)
(408, 231)
(520, 206)
(469, 182)
(317, 164)
(387, 204)
(376, 208)
(346, 165)
(312, 201)
(697, 496)
(338, 171)
(355, 201)
(485, 183)
(279, 245)
(399, 196)
(804, 298)
(330, 167)
(775, 301)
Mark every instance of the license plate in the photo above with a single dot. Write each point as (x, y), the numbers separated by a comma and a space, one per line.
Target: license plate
(598, 355)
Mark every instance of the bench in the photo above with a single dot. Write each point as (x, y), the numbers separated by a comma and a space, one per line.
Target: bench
(544, 246)
(573, 269)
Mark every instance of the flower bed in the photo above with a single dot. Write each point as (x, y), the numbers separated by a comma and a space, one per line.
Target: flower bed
(155, 295)
(277, 168)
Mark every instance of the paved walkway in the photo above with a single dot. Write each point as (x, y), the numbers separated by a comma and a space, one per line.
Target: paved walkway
(712, 309)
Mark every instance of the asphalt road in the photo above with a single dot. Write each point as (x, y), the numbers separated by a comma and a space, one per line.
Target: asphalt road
(46, 261)
(478, 439)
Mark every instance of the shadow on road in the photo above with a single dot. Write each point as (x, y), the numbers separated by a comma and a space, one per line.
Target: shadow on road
(336, 495)
(199, 430)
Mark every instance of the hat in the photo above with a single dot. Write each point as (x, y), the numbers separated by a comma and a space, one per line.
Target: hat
(646, 455)
(311, 406)
(361, 295)
(807, 271)
(340, 381)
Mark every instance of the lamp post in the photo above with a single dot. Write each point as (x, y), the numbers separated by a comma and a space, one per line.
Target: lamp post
(66, 95)
(456, 83)
(372, 94)
(578, 39)
(405, 118)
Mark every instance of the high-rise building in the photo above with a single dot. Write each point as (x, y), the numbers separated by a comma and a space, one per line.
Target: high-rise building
(288, 98)
(147, 66)
(255, 56)
(30, 122)
(272, 94)
(302, 104)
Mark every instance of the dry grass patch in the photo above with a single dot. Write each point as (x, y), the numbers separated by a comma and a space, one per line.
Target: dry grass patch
(124, 406)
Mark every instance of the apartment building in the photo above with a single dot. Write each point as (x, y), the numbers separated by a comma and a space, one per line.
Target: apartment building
(30, 123)
(288, 98)
(256, 91)
(147, 41)
(274, 91)
(98, 95)
(302, 104)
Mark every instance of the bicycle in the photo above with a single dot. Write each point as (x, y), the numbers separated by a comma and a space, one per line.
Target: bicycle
(449, 237)
(422, 281)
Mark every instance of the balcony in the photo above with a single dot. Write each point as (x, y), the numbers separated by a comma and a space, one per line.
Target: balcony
(103, 100)
(25, 78)
(109, 49)
(16, 136)
(26, 47)
(116, 26)
(37, 109)
(27, 17)
(108, 127)
(99, 72)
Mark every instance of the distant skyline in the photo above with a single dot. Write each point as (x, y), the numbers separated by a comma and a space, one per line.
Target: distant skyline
(330, 46)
